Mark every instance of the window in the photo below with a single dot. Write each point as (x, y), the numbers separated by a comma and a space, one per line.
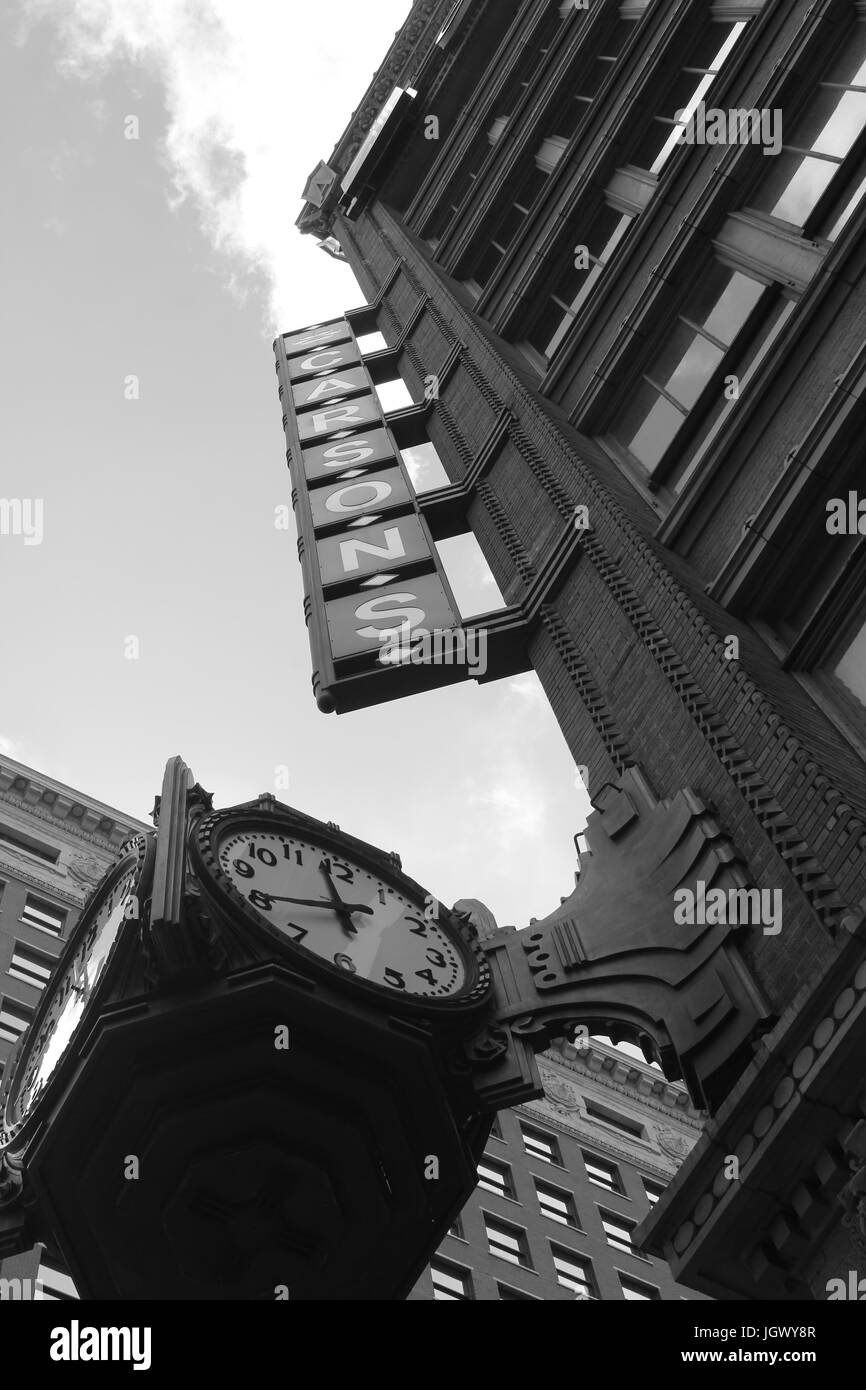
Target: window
(612, 1117)
(43, 915)
(653, 1190)
(450, 200)
(706, 61)
(505, 229)
(618, 1230)
(801, 186)
(586, 78)
(495, 1177)
(556, 1204)
(30, 966)
(508, 1295)
(603, 1174)
(496, 1129)
(456, 1229)
(540, 1145)
(451, 1283)
(574, 1272)
(634, 1289)
(19, 840)
(14, 1018)
(688, 367)
(508, 1242)
(579, 277)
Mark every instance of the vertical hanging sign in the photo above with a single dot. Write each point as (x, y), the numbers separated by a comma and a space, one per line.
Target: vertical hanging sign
(373, 581)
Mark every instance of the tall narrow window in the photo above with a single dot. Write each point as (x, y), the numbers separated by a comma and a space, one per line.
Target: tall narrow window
(584, 256)
(824, 145)
(505, 230)
(697, 353)
(708, 58)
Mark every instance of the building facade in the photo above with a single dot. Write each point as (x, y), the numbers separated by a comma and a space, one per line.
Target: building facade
(56, 843)
(563, 1184)
(616, 252)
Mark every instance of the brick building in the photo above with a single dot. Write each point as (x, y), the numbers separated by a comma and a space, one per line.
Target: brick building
(564, 1182)
(616, 252)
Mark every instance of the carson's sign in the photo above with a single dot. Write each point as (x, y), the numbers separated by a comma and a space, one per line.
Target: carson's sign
(371, 569)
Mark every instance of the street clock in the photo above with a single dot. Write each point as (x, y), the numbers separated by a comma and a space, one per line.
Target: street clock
(340, 905)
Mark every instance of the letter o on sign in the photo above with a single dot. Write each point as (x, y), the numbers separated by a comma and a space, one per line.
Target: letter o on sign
(365, 494)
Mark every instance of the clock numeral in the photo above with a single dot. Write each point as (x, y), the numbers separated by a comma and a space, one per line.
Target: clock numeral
(263, 901)
(340, 871)
(300, 932)
(287, 853)
(436, 958)
(382, 895)
(242, 868)
(393, 977)
(426, 975)
(266, 855)
(420, 929)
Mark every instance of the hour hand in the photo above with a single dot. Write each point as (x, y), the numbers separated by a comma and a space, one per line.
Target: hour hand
(343, 910)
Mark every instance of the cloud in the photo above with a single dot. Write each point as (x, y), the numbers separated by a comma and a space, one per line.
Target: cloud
(518, 806)
(255, 94)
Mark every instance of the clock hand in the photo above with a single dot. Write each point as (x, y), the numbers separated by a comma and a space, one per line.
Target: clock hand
(320, 902)
(343, 910)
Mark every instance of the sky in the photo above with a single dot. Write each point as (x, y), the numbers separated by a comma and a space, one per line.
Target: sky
(153, 157)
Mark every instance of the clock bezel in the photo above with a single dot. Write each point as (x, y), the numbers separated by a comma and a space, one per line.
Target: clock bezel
(211, 830)
(137, 852)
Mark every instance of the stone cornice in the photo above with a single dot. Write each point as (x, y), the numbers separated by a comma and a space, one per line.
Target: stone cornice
(22, 873)
(663, 1165)
(624, 1076)
(33, 794)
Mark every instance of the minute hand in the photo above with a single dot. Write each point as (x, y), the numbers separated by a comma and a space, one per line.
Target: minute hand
(321, 902)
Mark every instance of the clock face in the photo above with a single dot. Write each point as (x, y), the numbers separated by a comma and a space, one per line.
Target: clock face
(346, 914)
(72, 989)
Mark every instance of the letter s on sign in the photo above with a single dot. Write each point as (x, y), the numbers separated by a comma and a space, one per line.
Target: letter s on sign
(407, 618)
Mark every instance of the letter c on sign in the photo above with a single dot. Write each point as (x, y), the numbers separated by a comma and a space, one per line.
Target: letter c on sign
(371, 494)
(310, 364)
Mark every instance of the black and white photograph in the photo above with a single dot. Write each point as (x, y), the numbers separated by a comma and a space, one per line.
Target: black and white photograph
(433, 705)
